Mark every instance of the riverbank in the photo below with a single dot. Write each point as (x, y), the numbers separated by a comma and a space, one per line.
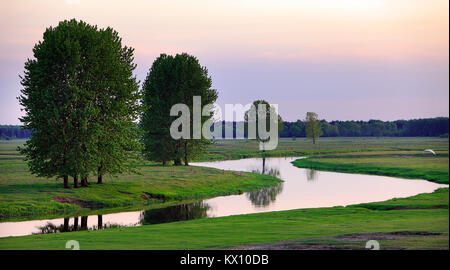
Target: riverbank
(405, 164)
(418, 222)
(336, 227)
(288, 147)
(24, 196)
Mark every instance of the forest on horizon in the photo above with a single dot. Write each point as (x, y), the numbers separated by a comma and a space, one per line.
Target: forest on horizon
(426, 127)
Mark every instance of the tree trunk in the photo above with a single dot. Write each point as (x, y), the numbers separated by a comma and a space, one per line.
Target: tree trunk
(186, 162)
(66, 225)
(177, 162)
(264, 165)
(100, 175)
(100, 222)
(66, 181)
(84, 181)
(75, 181)
(84, 223)
(75, 223)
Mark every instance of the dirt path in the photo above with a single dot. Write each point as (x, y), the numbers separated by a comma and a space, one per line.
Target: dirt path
(387, 240)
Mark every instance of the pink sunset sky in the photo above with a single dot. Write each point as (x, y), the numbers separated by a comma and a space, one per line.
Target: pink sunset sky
(344, 59)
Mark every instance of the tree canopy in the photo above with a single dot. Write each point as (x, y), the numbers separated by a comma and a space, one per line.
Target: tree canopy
(438, 126)
(312, 126)
(81, 101)
(262, 110)
(173, 80)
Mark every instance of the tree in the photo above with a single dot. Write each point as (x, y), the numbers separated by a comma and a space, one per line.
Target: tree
(118, 107)
(173, 80)
(377, 127)
(77, 71)
(313, 126)
(8, 132)
(295, 131)
(193, 80)
(255, 115)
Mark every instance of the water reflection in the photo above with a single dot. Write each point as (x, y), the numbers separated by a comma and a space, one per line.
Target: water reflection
(273, 171)
(311, 175)
(153, 216)
(175, 213)
(332, 189)
(79, 224)
(264, 196)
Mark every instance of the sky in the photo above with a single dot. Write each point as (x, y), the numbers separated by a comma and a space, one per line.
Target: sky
(343, 59)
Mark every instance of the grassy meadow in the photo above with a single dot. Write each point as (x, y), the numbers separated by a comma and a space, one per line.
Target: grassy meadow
(237, 149)
(418, 222)
(409, 229)
(406, 164)
(26, 196)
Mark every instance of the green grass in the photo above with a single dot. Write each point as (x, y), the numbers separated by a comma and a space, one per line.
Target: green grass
(24, 195)
(265, 228)
(436, 200)
(401, 157)
(236, 149)
(406, 164)
(232, 231)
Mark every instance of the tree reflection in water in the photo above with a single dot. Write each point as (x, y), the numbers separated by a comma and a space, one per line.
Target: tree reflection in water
(82, 226)
(175, 213)
(311, 175)
(263, 197)
(260, 198)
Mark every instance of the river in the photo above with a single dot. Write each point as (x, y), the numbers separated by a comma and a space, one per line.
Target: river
(301, 188)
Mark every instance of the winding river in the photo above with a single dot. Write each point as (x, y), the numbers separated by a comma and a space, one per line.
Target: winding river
(301, 188)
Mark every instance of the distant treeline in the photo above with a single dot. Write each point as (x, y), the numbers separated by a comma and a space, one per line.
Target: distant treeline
(428, 127)
(8, 132)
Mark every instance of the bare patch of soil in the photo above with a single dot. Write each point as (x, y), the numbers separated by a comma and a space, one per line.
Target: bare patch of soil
(340, 242)
(148, 196)
(80, 203)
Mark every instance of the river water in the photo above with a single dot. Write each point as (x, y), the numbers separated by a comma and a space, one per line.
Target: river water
(301, 188)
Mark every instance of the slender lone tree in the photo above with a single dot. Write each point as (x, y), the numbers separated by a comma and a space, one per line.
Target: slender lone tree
(254, 115)
(312, 126)
(78, 93)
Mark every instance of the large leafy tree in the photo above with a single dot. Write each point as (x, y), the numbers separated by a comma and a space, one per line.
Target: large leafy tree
(159, 96)
(78, 93)
(172, 80)
(193, 80)
(119, 108)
